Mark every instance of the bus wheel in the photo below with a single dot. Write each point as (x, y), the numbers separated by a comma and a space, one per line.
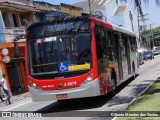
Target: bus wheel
(113, 85)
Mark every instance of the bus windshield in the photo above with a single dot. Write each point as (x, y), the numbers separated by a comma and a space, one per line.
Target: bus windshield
(59, 54)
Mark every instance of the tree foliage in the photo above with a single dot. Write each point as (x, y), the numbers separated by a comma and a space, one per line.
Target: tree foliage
(138, 5)
(150, 37)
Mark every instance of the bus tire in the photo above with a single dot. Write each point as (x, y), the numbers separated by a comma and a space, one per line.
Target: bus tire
(133, 72)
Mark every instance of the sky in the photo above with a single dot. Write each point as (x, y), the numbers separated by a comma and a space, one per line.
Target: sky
(153, 12)
(151, 9)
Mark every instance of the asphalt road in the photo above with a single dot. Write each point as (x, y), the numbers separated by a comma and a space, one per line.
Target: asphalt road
(92, 108)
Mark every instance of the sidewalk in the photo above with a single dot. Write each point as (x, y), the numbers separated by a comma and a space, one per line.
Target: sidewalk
(16, 98)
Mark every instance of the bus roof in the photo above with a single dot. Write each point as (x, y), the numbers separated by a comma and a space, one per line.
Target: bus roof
(117, 28)
(59, 20)
(96, 21)
(113, 26)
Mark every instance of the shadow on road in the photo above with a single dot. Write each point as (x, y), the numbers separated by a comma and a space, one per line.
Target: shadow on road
(86, 103)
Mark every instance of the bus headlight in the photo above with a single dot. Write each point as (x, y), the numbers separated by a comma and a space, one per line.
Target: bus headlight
(90, 78)
(34, 85)
(87, 80)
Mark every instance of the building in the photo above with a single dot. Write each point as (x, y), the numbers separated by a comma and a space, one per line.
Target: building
(72, 10)
(114, 11)
(15, 15)
(47, 11)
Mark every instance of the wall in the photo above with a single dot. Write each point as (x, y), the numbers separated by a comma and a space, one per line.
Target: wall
(70, 11)
(11, 78)
(43, 16)
(2, 35)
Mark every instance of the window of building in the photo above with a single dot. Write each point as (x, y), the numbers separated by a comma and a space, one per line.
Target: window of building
(15, 20)
(10, 20)
(23, 19)
(6, 19)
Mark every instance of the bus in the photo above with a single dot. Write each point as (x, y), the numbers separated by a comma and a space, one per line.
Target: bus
(78, 57)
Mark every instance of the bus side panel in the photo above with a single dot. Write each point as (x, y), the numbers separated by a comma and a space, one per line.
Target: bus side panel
(26, 61)
(105, 63)
(94, 56)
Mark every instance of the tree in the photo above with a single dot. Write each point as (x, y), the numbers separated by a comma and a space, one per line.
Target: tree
(156, 1)
(139, 6)
(148, 40)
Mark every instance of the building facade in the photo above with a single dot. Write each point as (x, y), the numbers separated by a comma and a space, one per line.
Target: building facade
(15, 15)
(71, 10)
(118, 12)
(47, 11)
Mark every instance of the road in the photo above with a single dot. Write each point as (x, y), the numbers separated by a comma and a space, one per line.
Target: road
(93, 108)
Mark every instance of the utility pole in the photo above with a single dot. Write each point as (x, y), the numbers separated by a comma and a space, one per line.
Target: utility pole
(89, 4)
(131, 18)
(152, 35)
(142, 19)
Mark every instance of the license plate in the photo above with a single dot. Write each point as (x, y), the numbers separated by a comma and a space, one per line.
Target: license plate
(61, 96)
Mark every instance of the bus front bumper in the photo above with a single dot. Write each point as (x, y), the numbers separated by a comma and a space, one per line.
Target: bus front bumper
(89, 90)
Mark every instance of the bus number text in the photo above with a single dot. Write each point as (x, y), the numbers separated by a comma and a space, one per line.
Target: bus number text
(70, 83)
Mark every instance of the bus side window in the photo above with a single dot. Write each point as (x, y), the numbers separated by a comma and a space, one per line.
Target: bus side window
(109, 51)
(99, 44)
(129, 44)
(133, 44)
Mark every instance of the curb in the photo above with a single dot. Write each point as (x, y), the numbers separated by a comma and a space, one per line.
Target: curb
(17, 98)
(138, 96)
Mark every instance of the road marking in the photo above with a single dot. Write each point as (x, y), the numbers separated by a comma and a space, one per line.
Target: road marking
(17, 106)
(114, 118)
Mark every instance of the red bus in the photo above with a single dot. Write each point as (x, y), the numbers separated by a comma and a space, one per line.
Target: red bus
(78, 57)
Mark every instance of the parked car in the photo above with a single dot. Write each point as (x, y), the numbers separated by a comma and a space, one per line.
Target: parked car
(141, 58)
(156, 52)
(148, 55)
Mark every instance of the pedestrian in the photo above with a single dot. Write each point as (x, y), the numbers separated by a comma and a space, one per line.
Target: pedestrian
(1, 98)
(5, 89)
(1, 94)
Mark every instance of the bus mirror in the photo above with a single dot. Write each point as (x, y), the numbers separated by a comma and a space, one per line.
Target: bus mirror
(16, 50)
